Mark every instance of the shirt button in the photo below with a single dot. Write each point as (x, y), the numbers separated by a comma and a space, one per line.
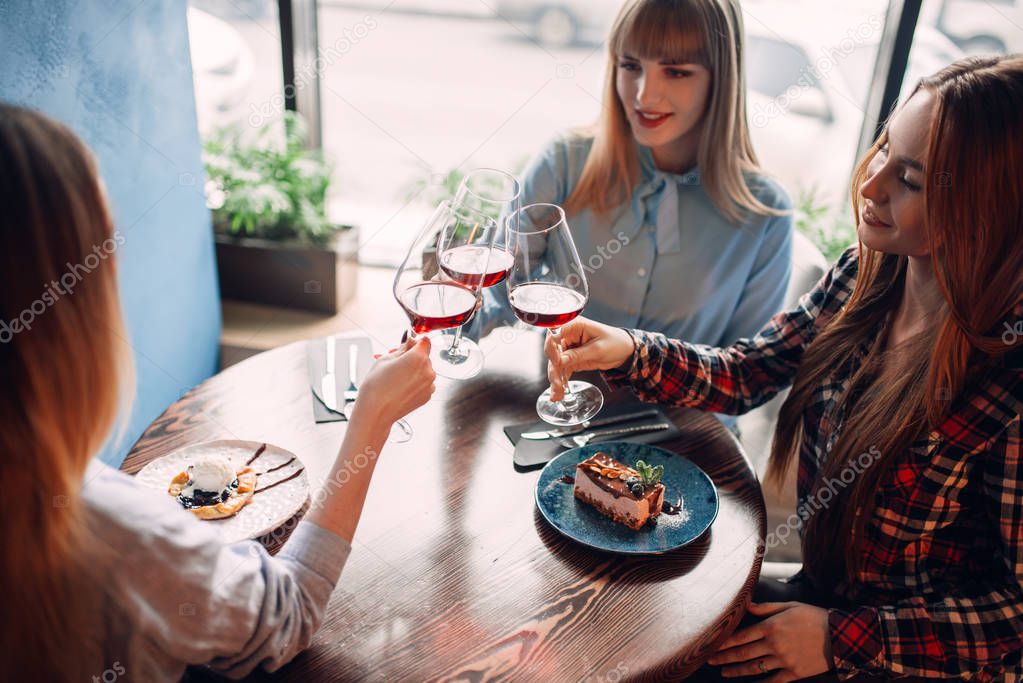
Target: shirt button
(641, 272)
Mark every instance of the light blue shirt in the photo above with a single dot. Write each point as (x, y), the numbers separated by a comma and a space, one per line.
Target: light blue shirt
(668, 260)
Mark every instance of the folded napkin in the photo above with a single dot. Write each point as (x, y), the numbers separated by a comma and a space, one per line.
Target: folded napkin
(316, 362)
(532, 453)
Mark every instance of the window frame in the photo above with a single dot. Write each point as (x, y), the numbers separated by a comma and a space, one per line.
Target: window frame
(300, 43)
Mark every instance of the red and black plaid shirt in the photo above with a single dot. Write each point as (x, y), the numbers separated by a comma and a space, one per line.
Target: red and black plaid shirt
(941, 592)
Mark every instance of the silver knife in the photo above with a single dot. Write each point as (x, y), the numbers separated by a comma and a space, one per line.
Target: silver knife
(587, 437)
(328, 385)
(602, 422)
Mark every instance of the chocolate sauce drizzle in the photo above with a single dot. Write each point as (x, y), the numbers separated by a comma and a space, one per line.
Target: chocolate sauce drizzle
(274, 469)
(258, 453)
(267, 488)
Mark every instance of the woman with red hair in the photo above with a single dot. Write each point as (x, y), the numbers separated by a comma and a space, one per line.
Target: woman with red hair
(100, 579)
(904, 413)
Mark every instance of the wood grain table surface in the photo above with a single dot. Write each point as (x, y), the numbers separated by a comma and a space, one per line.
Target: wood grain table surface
(454, 575)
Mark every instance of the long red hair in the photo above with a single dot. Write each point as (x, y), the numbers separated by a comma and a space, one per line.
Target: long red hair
(974, 216)
(62, 365)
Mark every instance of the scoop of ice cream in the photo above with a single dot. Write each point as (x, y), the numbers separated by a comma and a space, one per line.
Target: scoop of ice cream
(211, 474)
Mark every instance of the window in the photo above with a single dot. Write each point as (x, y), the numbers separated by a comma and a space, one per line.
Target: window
(412, 90)
(809, 66)
(235, 47)
(422, 88)
(773, 66)
(975, 26)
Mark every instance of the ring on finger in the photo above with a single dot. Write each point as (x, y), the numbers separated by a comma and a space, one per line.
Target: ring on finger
(760, 666)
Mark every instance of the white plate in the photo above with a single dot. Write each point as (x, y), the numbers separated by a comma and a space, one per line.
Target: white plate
(266, 511)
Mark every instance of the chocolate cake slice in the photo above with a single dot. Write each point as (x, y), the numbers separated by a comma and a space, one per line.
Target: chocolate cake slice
(618, 491)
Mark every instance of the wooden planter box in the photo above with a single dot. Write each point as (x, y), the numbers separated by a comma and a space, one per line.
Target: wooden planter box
(289, 274)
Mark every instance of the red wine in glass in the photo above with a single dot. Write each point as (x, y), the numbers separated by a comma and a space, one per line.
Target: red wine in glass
(470, 266)
(546, 305)
(547, 288)
(437, 305)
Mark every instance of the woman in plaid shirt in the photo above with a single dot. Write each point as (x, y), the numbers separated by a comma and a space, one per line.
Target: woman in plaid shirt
(905, 364)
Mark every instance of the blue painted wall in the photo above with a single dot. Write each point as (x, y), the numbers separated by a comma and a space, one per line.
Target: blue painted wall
(118, 73)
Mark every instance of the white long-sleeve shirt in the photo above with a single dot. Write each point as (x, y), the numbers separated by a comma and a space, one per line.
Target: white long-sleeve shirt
(177, 596)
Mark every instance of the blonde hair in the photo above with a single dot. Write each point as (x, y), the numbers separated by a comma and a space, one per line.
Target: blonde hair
(62, 372)
(705, 32)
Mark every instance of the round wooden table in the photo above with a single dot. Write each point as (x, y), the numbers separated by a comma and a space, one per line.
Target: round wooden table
(454, 575)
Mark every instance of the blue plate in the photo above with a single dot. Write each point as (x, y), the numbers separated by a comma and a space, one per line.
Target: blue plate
(582, 523)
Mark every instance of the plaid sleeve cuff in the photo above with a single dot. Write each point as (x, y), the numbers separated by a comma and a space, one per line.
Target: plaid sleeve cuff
(856, 641)
(620, 376)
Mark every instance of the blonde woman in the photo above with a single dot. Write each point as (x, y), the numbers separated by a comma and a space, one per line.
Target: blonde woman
(904, 414)
(100, 578)
(677, 227)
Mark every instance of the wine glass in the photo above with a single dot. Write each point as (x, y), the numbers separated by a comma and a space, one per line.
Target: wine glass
(433, 299)
(495, 194)
(465, 253)
(547, 288)
(489, 191)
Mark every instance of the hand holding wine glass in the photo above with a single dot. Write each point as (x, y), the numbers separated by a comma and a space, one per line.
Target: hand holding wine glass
(547, 288)
(398, 383)
(585, 344)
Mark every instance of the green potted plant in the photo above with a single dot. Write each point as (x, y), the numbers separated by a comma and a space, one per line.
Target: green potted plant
(274, 243)
(829, 228)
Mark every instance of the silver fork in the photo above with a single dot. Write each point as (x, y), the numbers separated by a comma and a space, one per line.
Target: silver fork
(401, 432)
(583, 439)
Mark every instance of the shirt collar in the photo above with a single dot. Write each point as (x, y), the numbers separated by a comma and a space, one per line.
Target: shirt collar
(652, 173)
(659, 189)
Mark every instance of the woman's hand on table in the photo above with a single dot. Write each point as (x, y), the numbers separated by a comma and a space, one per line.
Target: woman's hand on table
(398, 383)
(584, 344)
(792, 642)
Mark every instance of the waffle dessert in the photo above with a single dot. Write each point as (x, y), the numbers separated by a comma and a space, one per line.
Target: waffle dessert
(210, 488)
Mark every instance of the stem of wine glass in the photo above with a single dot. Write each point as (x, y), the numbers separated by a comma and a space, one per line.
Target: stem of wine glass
(401, 430)
(453, 349)
(569, 398)
(406, 336)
